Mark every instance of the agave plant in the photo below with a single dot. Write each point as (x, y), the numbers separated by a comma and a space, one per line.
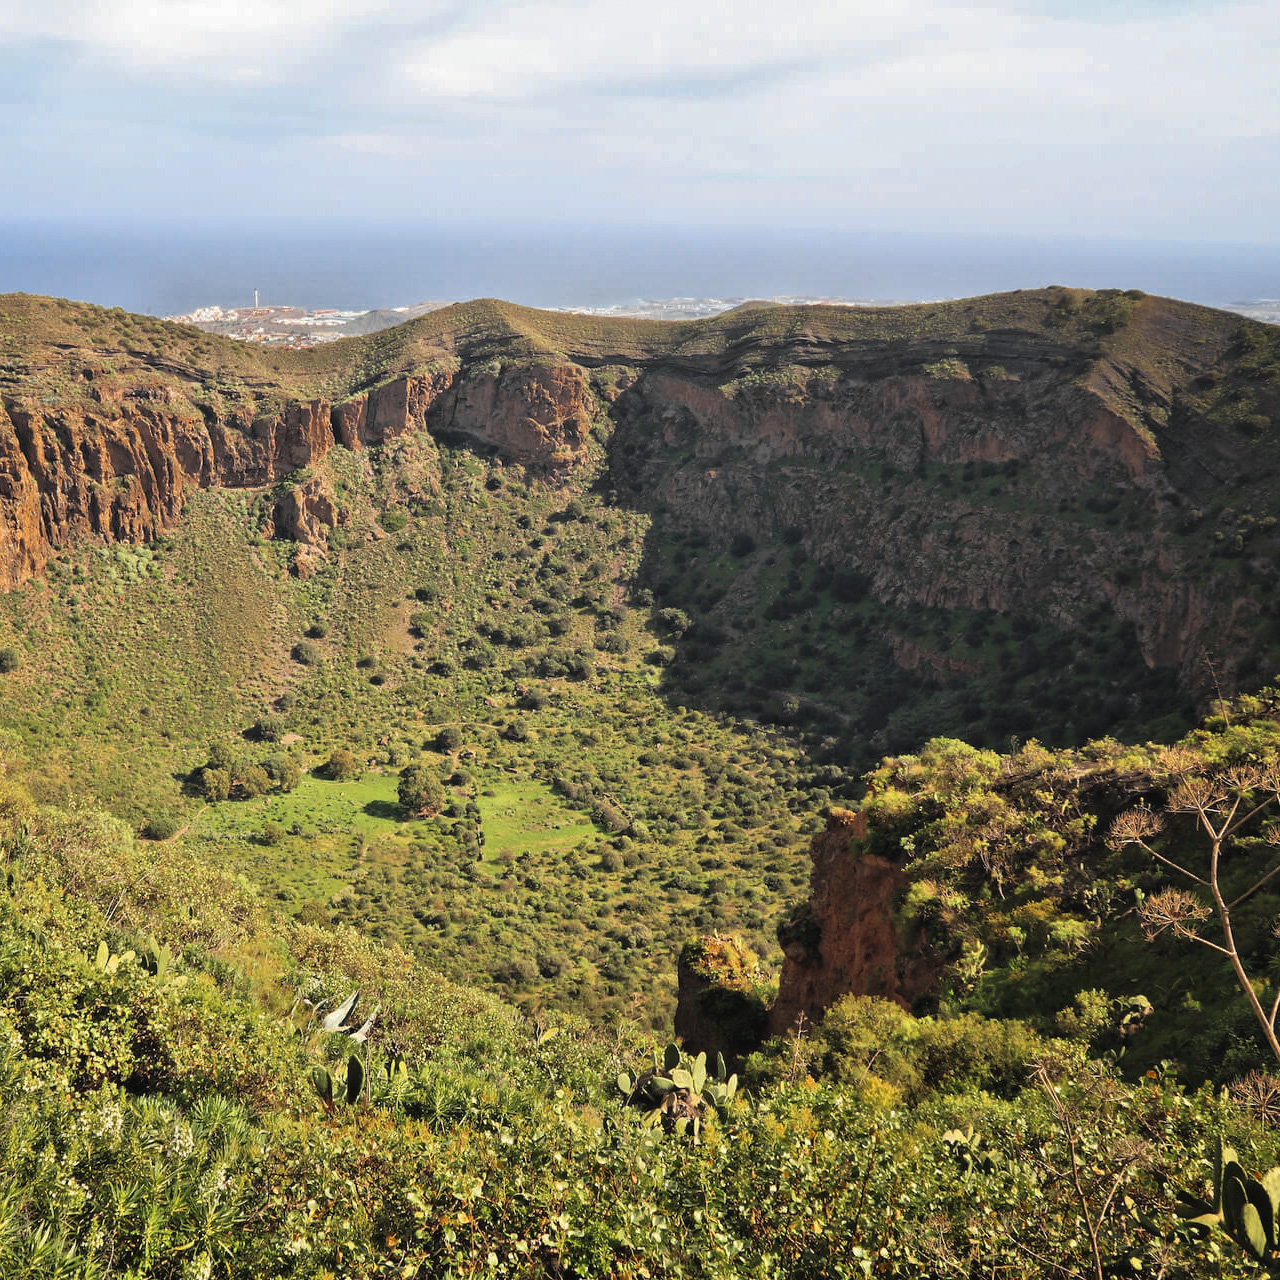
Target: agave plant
(677, 1092)
(359, 1077)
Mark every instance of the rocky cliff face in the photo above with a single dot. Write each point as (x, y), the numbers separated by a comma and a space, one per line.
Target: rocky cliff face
(951, 492)
(538, 415)
(844, 942)
(118, 468)
(1010, 473)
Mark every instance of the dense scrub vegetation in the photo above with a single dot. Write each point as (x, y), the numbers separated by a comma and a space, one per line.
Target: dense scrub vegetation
(162, 1030)
(498, 641)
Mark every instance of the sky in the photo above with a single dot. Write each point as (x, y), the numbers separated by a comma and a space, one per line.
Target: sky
(1144, 119)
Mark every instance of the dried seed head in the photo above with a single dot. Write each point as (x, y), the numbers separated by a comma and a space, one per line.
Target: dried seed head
(1196, 795)
(1133, 827)
(1259, 1094)
(1244, 777)
(1174, 909)
(1179, 761)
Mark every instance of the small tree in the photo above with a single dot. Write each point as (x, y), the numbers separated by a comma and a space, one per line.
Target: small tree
(8, 660)
(1222, 803)
(253, 782)
(283, 770)
(214, 784)
(420, 792)
(343, 766)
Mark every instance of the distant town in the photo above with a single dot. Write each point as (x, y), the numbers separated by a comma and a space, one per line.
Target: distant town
(296, 327)
(287, 326)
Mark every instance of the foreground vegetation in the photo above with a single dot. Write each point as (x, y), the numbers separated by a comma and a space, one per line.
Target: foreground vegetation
(189, 1093)
(163, 1121)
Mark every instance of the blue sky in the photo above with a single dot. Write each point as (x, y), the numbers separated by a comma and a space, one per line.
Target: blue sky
(1147, 118)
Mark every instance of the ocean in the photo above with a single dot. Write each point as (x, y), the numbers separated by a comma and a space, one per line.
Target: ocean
(170, 267)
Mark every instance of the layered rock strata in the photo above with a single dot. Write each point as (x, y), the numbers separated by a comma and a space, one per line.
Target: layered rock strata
(120, 471)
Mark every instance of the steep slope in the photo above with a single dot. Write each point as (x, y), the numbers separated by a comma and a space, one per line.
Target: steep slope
(1049, 501)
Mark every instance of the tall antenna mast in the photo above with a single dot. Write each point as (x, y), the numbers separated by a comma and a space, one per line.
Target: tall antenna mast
(255, 299)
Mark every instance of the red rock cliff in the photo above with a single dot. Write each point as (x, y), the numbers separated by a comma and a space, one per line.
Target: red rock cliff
(846, 941)
(118, 467)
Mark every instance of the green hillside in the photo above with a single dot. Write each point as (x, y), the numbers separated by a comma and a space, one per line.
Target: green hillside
(175, 1107)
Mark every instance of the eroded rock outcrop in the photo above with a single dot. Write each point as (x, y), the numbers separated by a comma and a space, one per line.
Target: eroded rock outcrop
(846, 940)
(538, 415)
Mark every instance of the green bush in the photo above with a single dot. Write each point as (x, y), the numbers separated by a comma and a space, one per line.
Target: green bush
(420, 793)
(253, 781)
(160, 826)
(343, 766)
(8, 659)
(270, 728)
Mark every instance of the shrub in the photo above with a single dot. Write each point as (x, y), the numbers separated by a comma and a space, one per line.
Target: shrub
(393, 519)
(420, 792)
(269, 729)
(255, 781)
(343, 766)
(449, 739)
(214, 784)
(318, 629)
(306, 653)
(160, 826)
(283, 770)
(675, 621)
(8, 659)
(743, 545)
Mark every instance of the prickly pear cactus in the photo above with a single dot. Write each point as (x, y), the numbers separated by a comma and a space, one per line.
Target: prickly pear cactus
(678, 1093)
(1245, 1209)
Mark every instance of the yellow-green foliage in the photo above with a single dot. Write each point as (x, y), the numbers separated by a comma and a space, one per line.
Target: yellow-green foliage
(162, 1124)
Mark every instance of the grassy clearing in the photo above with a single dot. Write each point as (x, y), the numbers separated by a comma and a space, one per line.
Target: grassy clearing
(366, 808)
(522, 815)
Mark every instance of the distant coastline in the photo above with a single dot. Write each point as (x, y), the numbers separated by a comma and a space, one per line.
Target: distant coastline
(295, 327)
(169, 268)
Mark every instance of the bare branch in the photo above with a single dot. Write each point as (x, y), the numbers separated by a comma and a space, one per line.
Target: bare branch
(1254, 887)
(1248, 817)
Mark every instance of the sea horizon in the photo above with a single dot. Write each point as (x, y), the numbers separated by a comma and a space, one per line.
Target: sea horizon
(165, 268)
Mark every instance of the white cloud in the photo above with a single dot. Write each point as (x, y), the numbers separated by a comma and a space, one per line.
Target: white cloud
(224, 38)
(811, 106)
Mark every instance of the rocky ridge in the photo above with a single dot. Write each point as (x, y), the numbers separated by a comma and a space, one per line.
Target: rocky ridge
(1046, 454)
